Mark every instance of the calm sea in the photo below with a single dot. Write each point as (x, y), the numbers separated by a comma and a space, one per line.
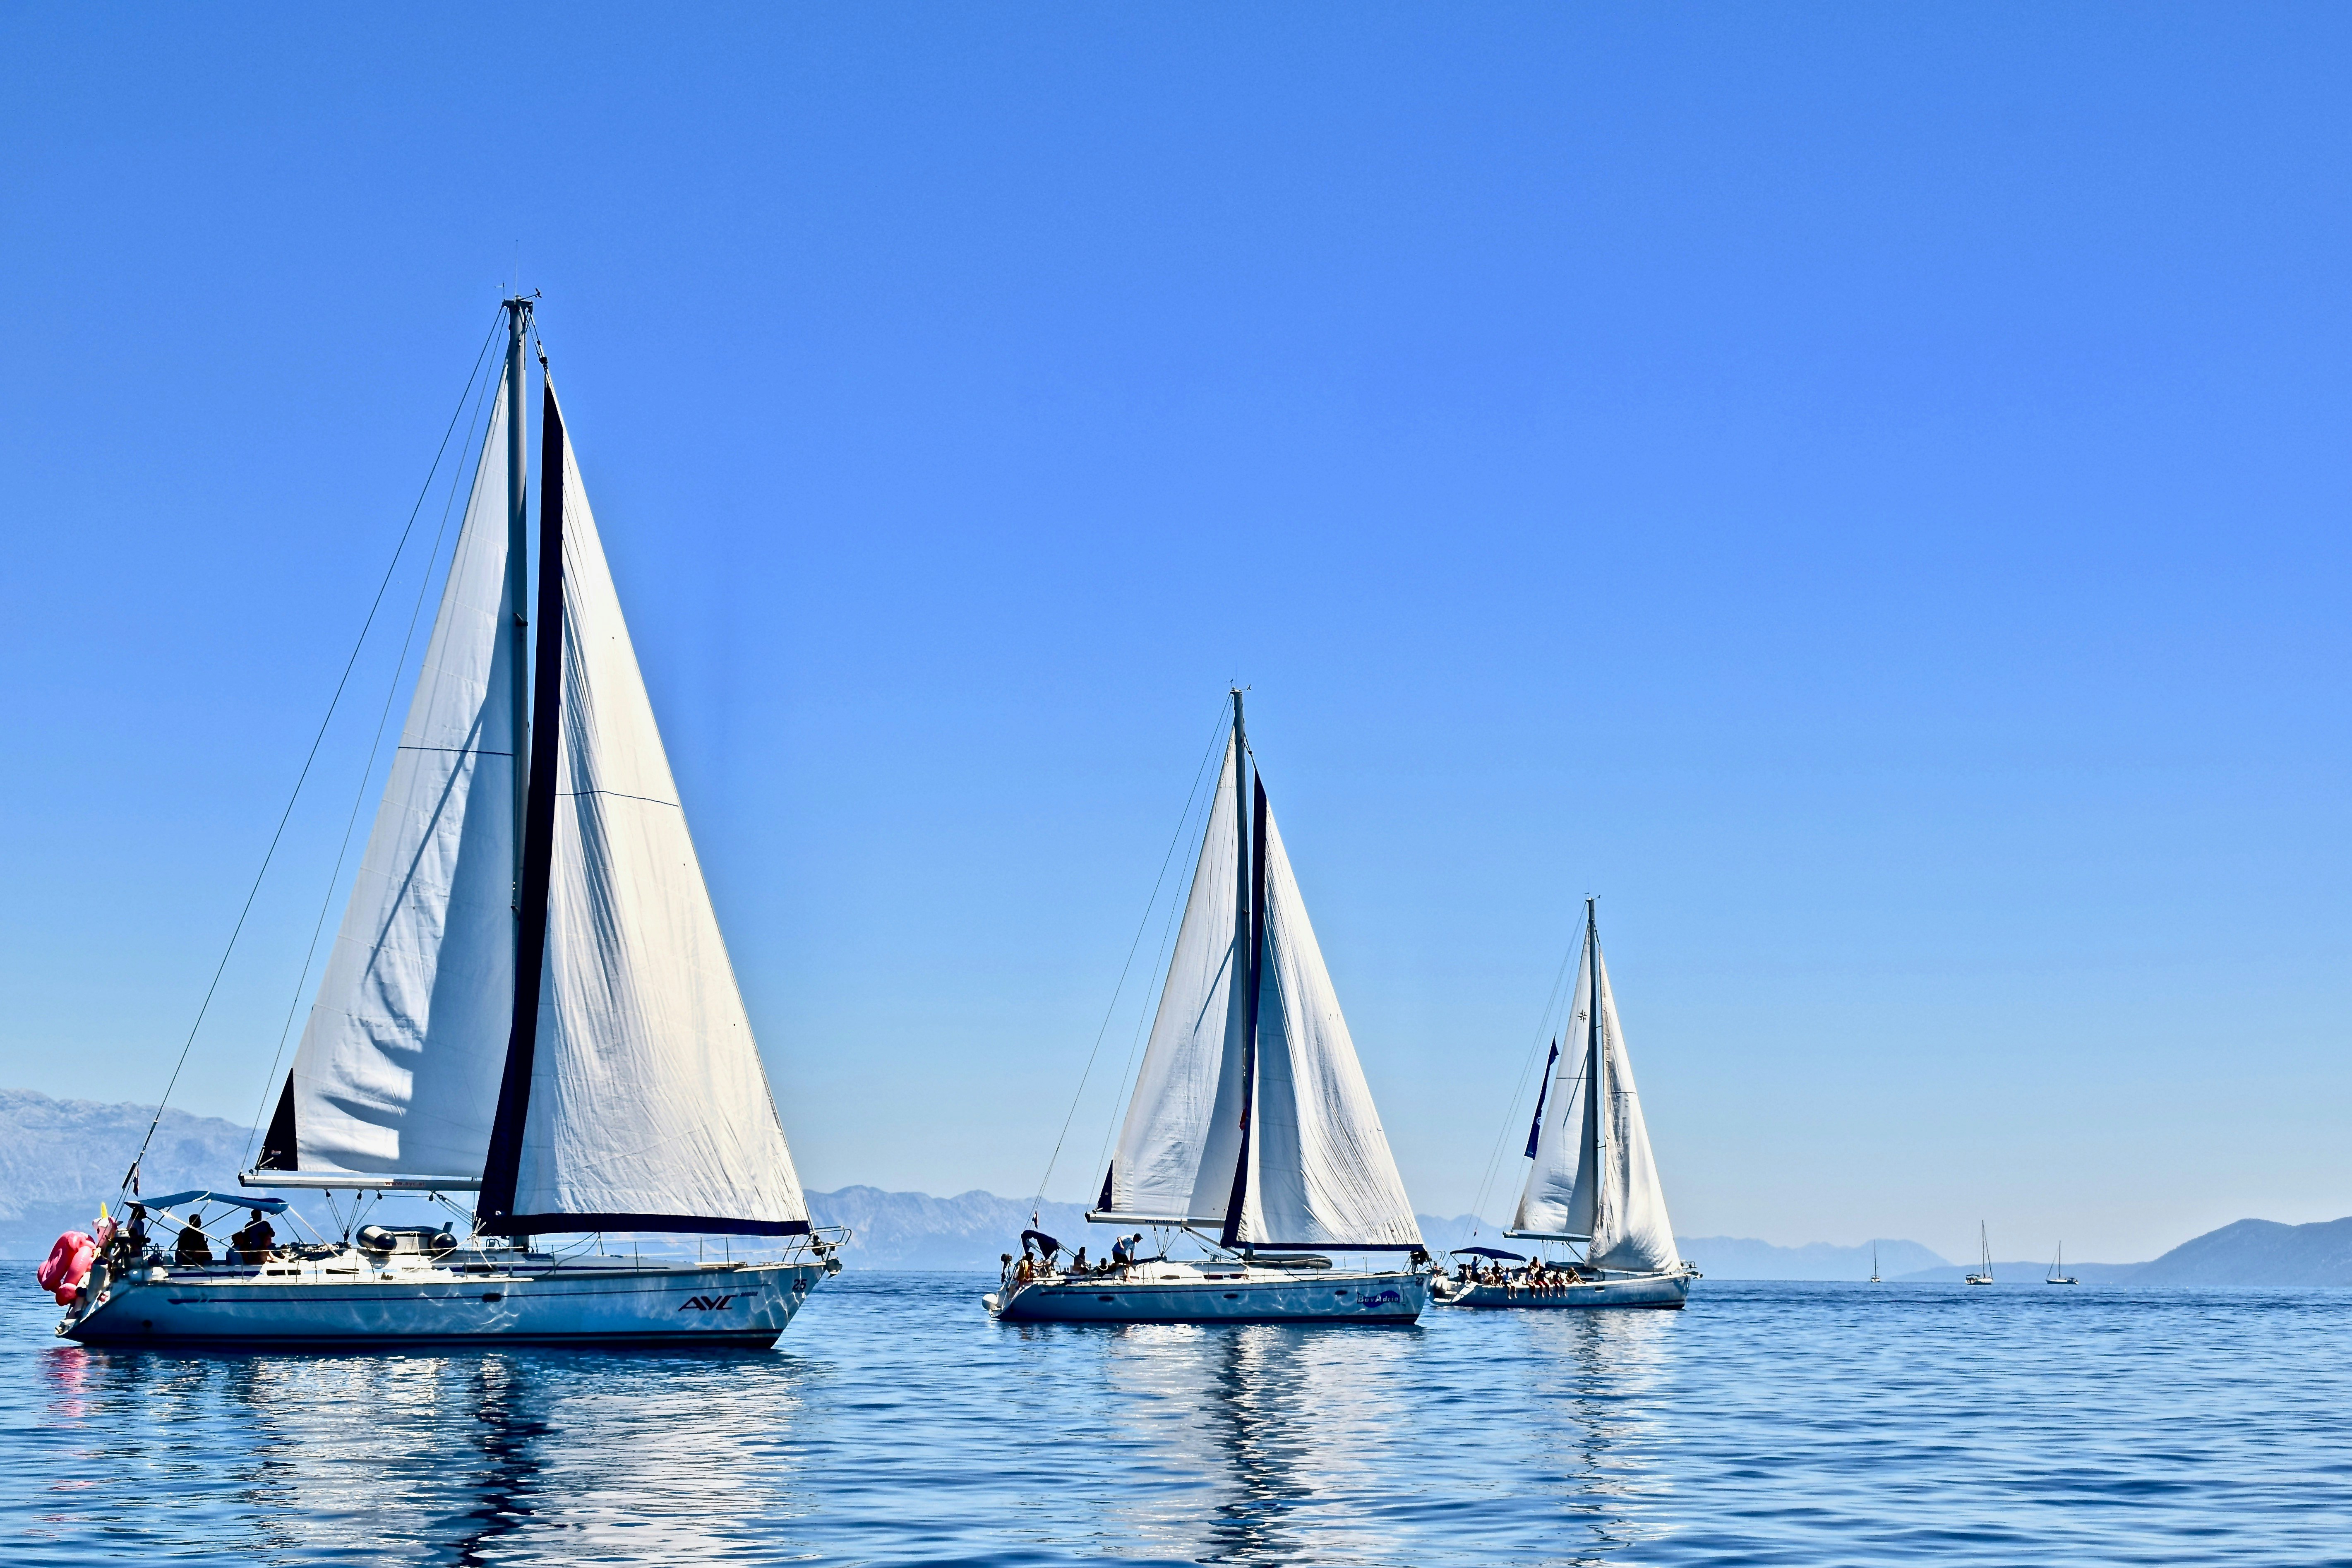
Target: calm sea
(897, 1424)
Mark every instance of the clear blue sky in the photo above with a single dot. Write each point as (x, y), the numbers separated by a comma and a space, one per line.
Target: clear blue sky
(1862, 489)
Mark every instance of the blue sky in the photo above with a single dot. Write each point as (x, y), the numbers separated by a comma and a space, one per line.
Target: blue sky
(1860, 488)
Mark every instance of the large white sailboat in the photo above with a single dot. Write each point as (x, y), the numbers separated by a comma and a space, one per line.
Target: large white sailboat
(529, 1001)
(1591, 1180)
(1251, 1130)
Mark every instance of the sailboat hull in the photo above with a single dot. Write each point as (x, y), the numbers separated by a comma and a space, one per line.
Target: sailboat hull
(1179, 1294)
(724, 1305)
(1664, 1290)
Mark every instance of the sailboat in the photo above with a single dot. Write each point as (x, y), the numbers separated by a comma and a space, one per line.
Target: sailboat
(529, 1001)
(1983, 1275)
(2058, 1275)
(1251, 1130)
(1873, 1264)
(1591, 1179)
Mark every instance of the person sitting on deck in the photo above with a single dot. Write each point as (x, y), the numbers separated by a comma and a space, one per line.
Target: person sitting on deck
(254, 1243)
(195, 1248)
(1079, 1264)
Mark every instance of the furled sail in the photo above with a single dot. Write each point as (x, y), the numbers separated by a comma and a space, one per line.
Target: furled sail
(1320, 1173)
(1593, 1177)
(399, 1063)
(645, 1105)
(1182, 1132)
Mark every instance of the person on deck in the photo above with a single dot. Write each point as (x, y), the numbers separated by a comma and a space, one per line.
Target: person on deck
(254, 1243)
(195, 1248)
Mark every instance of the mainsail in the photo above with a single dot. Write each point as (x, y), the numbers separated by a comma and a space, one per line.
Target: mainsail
(561, 1026)
(398, 1068)
(1594, 1178)
(1251, 1113)
(633, 1097)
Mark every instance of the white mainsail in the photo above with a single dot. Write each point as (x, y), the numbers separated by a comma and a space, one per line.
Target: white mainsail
(1182, 1132)
(1593, 1177)
(648, 1099)
(1320, 1171)
(399, 1064)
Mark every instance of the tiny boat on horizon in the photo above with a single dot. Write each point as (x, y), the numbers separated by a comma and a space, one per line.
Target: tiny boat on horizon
(529, 1001)
(1983, 1275)
(1250, 1136)
(1591, 1179)
(2058, 1275)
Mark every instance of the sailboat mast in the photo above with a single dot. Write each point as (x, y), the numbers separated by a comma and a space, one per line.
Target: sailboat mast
(518, 579)
(494, 1213)
(1248, 941)
(1596, 1089)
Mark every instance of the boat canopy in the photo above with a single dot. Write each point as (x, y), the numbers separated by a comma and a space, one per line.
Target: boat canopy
(1488, 1252)
(235, 1200)
(1045, 1244)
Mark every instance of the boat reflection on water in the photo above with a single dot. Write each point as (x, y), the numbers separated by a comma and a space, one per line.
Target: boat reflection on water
(539, 1456)
(1277, 1444)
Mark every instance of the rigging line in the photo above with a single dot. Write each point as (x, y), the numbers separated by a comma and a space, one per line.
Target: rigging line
(375, 747)
(1141, 927)
(300, 779)
(1160, 951)
(1519, 1085)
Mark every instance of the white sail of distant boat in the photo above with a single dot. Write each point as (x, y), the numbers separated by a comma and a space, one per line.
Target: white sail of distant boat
(530, 997)
(1591, 1177)
(1594, 1178)
(1873, 1264)
(1983, 1275)
(1251, 1125)
(1288, 1126)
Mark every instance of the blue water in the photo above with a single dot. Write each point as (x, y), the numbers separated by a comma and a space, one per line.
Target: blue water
(895, 1424)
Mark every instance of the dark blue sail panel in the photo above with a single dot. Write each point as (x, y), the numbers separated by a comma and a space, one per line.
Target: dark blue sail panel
(1535, 1128)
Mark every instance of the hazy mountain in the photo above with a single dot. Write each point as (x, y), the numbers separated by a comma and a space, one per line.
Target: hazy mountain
(2257, 1252)
(1734, 1257)
(59, 1157)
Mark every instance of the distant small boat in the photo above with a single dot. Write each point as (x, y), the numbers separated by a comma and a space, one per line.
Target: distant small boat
(2058, 1275)
(1983, 1275)
(1873, 1265)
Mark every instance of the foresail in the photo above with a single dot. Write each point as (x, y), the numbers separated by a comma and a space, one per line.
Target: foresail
(1182, 1132)
(1634, 1233)
(648, 1108)
(398, 1068)
(1320, 1174)
(1557, 1199)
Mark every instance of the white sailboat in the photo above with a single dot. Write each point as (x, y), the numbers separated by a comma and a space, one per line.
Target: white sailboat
(1591, 1179)
(1873, 1264)
(1251, 1128)
(2058, 1275)
(528, 1000)
(1983, 1275)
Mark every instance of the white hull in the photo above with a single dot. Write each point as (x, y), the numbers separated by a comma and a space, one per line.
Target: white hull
(342, 1303)
(1667, 1290)
(1182, 1293)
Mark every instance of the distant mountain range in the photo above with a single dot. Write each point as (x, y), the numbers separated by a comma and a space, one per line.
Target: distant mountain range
(59, 1157)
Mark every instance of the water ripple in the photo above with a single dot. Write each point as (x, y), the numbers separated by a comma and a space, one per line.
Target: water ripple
(1769, 1424)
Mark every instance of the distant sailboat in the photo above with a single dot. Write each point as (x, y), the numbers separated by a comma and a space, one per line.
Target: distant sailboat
(1251, 1128)
(1983, 1275)
(2058, 1275)
(1873, 1264)
(1591, 1179)
(529, 1000)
